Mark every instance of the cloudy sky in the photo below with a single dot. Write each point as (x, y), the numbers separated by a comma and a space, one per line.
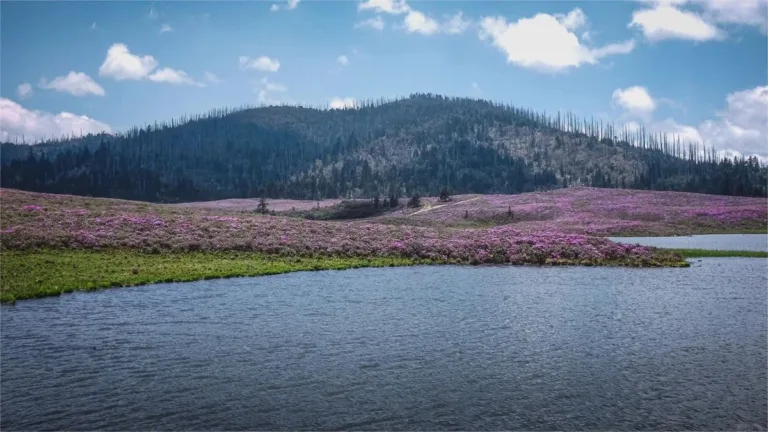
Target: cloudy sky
(696, 68)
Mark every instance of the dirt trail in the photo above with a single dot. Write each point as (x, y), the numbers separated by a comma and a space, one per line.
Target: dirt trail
(428, 206)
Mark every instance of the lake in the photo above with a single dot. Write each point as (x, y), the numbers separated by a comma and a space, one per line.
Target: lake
(750, 242)
(414, 348)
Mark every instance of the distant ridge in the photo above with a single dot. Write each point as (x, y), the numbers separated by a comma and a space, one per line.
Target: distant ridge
(414, 145)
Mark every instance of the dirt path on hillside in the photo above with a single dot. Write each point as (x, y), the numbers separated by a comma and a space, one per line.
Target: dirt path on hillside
(429, 206)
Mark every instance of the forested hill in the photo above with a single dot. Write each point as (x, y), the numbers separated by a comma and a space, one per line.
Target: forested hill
(416, 145)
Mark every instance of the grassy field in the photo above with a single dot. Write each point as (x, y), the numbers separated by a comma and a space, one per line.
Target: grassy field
(705, 253)
(30, 274)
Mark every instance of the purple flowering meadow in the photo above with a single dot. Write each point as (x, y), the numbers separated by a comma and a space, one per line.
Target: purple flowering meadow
(33, 220)
(594, 211)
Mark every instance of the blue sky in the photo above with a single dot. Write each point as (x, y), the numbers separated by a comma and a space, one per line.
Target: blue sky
(695, 68)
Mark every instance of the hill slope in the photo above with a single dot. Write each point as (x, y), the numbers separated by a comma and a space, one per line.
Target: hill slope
(416, 145)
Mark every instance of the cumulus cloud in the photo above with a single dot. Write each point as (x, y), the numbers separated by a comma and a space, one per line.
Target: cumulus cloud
(574, 20)
(266, 89)
(343, 60)
(173, 76)
(414, 21)
(394, 7)
(634, 99)
(456, 24)
(668, 22)
(544, 42)
(290, 5)
(24, 90)
(74, 83)
(742, 12)
(262, 63)
(743, 125)
(272, 86)
(121, 64)
(373, 23)
(341, 103)
(19, 123)
(417, 22)
(166, 28)
(741, 128)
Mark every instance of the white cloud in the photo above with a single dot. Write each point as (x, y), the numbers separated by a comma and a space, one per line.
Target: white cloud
(634, 99)
(211, 78)
(742, 125)
(374, 23)
(266, 88)
(24, 90)
(743, 12)
(173, 76)
(153, 14)
(574, 20)
(673, 129)
(668, 22)
(17, 122)
(543, 42)
(739, 129)
(456, 24)
(75, 83)
(262, 63)
(341, 103)
(394, 7)
(417, 22)
(166, 28)
(290, 5)
(120, 64)
(94, 26)
(272, 86)
(343, 60)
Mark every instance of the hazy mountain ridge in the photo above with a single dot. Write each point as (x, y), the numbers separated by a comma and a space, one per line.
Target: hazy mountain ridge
(416, 145)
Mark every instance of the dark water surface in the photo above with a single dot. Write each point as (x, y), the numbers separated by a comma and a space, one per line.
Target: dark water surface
(750, 242)
(420, 348)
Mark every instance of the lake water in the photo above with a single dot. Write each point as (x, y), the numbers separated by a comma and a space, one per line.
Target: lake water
(750, 242)
(421, 348)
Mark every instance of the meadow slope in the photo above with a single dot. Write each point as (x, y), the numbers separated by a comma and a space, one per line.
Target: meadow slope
(59, 243)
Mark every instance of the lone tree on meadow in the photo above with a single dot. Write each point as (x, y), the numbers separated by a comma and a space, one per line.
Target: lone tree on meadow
(415, 201)
(262, 207)
(393, 201)
(445, 195)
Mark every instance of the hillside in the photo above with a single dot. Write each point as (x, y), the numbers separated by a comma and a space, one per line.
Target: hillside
(578, 210)
(416, 145)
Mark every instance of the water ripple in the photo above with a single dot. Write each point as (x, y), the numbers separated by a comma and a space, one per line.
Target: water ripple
(453, 348)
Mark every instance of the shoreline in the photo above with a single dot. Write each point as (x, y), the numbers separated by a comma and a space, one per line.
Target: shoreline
(66, 270)
(27, 274)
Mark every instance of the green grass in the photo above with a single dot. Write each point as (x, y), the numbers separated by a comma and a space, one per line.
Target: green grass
(705, 253)
(30, 274)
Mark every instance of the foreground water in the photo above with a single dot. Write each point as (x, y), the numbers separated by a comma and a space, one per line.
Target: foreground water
(750, 242)
(419, 348)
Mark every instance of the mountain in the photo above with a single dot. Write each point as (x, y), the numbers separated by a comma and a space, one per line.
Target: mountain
(415, 145)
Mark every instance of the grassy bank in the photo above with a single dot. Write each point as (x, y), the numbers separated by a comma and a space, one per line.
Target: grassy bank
(705, 253)
(26, 274)
(30, 274)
